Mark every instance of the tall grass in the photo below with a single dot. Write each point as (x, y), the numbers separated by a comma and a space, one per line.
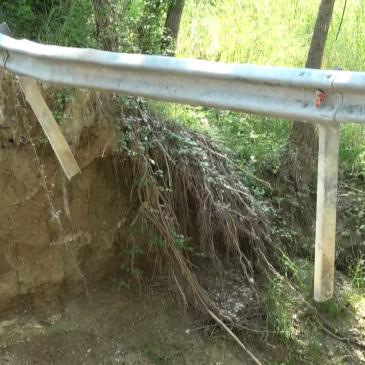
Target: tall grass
(69, 26)
(273, 33)
(259, 32)
(270, 32)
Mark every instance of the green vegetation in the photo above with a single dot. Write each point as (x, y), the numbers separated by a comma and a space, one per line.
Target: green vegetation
(258, 32)
(157, 354)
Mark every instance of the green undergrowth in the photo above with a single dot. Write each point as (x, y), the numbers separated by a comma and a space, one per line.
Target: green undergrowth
(257, 144)
(284, 311)
(157, 354)
(287, 298)
(297, 320)
(290, 310)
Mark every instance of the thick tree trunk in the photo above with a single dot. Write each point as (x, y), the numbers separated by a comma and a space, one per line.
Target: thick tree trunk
(172, 27)
(300, 163)
(318, 44)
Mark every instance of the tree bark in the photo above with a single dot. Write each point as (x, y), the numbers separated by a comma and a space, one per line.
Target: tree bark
(172, 27)
(300, 163)
(318, 44)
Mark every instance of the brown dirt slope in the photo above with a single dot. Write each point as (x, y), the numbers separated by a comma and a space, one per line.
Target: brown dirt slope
(55, 235)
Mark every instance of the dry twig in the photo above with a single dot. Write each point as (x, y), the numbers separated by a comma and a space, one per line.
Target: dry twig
(248, 352)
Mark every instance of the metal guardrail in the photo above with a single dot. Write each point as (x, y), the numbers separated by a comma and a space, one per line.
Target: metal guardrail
(272, 91)
(324, 97)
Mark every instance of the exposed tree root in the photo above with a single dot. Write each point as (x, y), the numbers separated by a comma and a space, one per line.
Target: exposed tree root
(196, 203)
(248, 352)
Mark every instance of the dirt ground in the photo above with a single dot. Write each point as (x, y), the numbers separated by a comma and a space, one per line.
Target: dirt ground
(113, 325)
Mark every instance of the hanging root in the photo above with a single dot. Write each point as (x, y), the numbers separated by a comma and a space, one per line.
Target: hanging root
(195, 202)
(248, 352)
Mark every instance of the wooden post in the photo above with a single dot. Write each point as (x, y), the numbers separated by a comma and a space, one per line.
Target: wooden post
(46, 119)
(324, 268)
(50, 126)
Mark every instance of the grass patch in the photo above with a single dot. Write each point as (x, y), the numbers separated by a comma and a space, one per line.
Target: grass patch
(231, 31)
(159, 356)
(357, 273)
(280, 309)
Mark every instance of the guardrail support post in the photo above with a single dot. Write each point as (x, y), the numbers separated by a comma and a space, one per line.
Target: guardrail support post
(324, 268)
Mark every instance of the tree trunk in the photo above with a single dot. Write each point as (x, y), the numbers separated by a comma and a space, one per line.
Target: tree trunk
(300, 162)
(318, 44)
(172, 27)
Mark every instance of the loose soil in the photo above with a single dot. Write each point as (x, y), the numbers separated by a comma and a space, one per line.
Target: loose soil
(115, 325)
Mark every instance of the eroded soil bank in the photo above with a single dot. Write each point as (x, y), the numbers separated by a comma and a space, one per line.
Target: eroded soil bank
(56, 236)
(39, 258)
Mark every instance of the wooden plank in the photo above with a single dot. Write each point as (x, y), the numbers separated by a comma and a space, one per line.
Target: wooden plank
(324, 268)
(50, 126)
(46, 119)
